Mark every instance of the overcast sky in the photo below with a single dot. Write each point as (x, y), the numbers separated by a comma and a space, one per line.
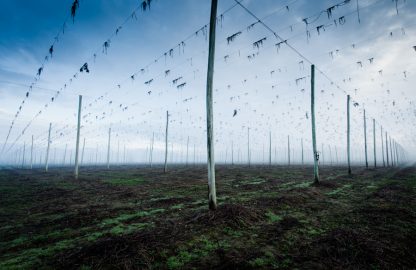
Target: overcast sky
(130, 85)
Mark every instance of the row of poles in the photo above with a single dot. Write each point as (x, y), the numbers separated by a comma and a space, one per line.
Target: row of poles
(230, 155)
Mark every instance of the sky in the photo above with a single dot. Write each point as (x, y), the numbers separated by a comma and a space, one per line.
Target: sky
(143, 63)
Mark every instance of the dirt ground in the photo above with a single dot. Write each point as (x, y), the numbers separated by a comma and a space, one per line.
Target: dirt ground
(267, 218)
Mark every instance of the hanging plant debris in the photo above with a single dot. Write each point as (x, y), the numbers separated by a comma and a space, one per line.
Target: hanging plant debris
(84, 68)
(182, 85)
(259, 43)
(74, 7)
(106, 45)
(145, 4)
(51, 50)
(232, 37)
(148, 82)
(175, 81)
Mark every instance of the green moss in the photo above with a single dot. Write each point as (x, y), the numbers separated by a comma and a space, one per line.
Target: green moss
(65, 185)
(231, 232)
(178, 261)
(258, 262)
(124, 182)
(273, 217)
(303, 184)
(254, 181)
(94, 236)
(126, 217)
(197, 249)
(27, 259)
(339, 190)
(178, 206)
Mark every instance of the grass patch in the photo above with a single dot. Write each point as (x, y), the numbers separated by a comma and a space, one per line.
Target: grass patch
(178, 206)
(124, 182)
(272, 217)
(126, 217)
(197, 250)
(339, 190)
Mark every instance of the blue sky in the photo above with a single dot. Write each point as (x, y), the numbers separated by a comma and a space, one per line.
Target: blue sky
(263, 89)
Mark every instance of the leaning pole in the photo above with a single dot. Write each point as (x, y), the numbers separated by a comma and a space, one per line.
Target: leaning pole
(212, 196)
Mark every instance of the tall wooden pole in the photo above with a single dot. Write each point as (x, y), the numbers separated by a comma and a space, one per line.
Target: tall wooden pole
(187, 151)
(151, 150)
(270, 148)
(374, 141)
(78, 132)
(108, 148)
(23, 157)
(31, 155)
(301, 146)
(336, 155)
(391, 153)
(232, 153)
(64, 159)
(397, 154)
(96, 156)
(315, 152)
(288, 150)
(387, 150)
(194, 155)
(330, 154)
(365, 140)
(47, 149)
(212, 193)
(348, 135)
(382, 146)
(248, 146)
(118, 151)
(166, 143)
(124, 154)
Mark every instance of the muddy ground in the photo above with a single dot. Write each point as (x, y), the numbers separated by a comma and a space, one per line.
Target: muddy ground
(267, 218)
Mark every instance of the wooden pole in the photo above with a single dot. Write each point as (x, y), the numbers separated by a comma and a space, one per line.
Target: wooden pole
(31, 155)
(82, 153)
(166, 143)
(232, 153)
(348, 135)
(23, 157)
(248, 146)
(387, 150)
(336, 155)
(391, 153)
(270, 148)
(397, 154)
(365, 141)
(47, 149)
(330, 154)
(301, 146)
(64, 159)
(194, 155)
(108, 148)
(124, 154)
(187, 151)
(315, 152)
(374, 140)
(78, 133)
(382, 146)
(96, 156)
(151, 150)
(288, 150)
(118, 151)
(212, 196)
